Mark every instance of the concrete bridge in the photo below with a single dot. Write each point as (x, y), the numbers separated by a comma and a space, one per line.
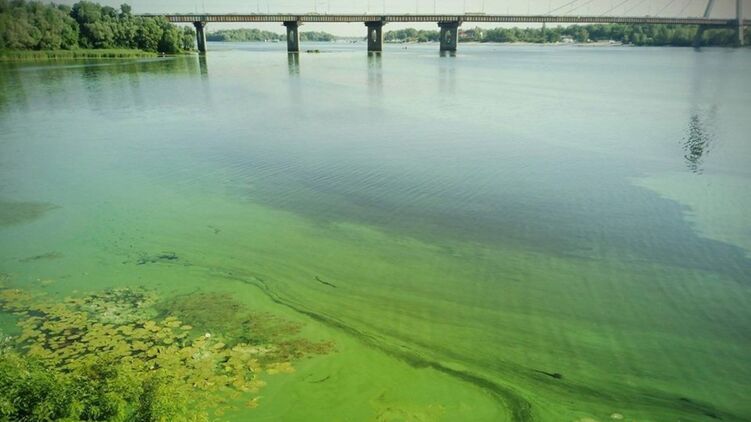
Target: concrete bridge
(448, 24)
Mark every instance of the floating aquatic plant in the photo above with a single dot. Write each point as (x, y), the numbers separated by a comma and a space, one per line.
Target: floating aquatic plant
(221, 313)
(133, 352)
(117, 306)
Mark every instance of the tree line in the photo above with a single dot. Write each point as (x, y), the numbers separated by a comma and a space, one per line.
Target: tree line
(33, 25)
(411, 35)
(245, 35)
(640, 35)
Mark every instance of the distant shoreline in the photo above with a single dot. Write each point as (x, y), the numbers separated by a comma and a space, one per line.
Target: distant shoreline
(591, 35)
(592, 44)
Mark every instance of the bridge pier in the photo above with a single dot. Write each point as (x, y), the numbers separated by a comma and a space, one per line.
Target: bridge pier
(698, 39)
(741, 35)
(293, 36)
(739, 18)
(375, 36)
(449, 35)
(200, 36)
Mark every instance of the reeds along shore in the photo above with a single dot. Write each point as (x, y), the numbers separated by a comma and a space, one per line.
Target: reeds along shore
(22, 55)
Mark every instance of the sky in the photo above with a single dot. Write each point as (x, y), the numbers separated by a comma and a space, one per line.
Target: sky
(722, 9)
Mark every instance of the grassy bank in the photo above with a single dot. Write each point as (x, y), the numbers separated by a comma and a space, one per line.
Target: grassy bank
(115, 53)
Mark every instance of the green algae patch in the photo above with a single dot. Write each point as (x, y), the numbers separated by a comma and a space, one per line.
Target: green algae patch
(13, 213)
(114, 355)
(218, 312)
(157, 258)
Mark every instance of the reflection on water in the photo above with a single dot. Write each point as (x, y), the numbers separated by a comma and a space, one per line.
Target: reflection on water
(447, 75)
(375, 73)
(293, 63)
(697, 142)
(203, 65)
(11, 88)
(107, 87)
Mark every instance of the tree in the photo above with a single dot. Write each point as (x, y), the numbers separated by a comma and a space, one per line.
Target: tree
(148, 34)
(39, 26)
(188, 39)
(171, 39)
(125, 10)
(86, 12)
(100, 35)
(581, 35)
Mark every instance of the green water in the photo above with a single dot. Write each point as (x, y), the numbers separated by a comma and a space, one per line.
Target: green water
(514, 233)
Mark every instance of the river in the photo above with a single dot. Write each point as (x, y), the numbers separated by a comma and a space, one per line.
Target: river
(554, 233)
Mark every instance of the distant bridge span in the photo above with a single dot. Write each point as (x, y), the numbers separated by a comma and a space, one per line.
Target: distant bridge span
(324, 18)
(449, 24)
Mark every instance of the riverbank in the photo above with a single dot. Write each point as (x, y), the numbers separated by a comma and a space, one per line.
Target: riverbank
(114, 53)
(22, 55)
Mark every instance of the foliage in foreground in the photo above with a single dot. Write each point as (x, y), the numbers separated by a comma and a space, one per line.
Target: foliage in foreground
(98, 391)
(33, 25)
(123, 355)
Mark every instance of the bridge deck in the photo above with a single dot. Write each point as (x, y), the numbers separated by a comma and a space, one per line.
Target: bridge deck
(185, 18)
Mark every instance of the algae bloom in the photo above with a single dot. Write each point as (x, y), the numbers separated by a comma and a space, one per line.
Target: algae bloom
(115, 355)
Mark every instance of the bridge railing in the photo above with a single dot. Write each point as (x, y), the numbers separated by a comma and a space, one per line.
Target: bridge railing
(325, 18)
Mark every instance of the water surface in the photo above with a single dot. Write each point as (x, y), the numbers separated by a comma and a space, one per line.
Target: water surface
(513, 233)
